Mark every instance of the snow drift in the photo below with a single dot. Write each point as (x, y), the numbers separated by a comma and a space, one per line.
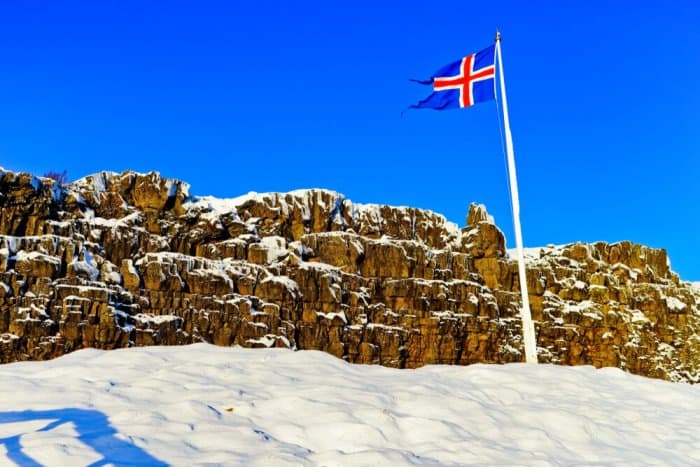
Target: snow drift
(207, 405)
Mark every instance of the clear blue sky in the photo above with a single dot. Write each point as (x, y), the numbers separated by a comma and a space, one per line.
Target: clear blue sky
(272, 96)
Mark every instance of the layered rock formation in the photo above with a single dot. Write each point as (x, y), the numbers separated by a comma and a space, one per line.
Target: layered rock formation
(116, 260)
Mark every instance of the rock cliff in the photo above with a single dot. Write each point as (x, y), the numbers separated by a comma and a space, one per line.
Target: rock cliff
(116, 260)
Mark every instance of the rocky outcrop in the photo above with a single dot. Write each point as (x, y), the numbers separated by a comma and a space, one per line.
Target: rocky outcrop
(117, 260)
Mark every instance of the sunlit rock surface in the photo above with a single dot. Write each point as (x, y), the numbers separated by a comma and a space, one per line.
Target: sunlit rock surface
(117, 260)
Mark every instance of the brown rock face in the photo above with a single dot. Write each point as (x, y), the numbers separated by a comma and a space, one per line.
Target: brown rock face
(117, 260)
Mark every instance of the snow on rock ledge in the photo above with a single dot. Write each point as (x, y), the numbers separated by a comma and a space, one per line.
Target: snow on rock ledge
(115, 260)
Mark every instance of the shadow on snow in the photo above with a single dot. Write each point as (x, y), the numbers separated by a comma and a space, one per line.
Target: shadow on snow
(93, 430)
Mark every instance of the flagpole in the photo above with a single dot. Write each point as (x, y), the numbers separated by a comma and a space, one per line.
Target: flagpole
(525, 316)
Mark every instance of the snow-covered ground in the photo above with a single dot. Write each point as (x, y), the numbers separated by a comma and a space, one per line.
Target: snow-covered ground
(206, 405)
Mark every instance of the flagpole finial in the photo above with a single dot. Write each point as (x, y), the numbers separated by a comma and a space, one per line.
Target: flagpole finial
(498, 35)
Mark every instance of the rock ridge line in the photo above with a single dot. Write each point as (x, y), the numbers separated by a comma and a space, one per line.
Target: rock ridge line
(117, 260)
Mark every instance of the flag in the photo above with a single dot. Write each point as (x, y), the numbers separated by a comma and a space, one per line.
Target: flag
(463, 83)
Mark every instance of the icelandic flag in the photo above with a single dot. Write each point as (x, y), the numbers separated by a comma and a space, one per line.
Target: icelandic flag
(463, 83)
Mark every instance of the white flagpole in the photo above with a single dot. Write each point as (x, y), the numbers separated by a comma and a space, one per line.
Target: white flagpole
(525, 316)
